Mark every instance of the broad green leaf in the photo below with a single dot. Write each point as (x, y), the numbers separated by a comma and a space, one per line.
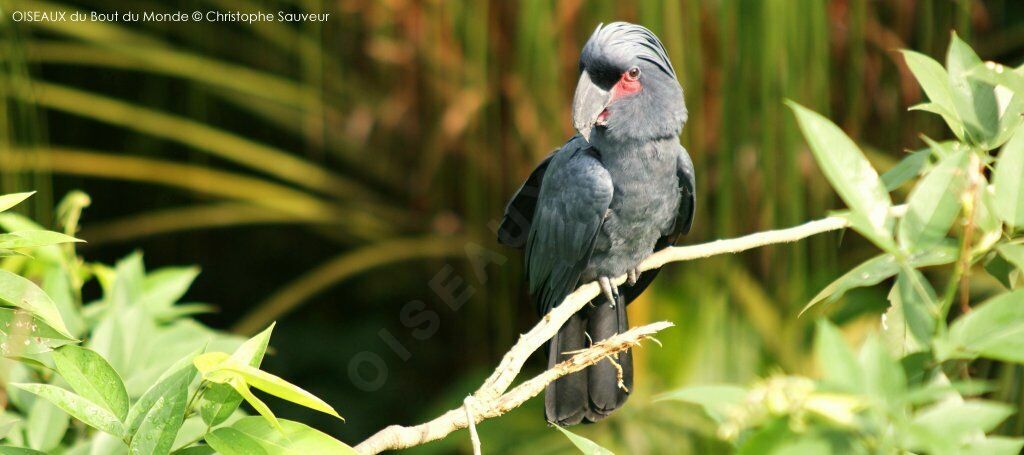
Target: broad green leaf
(10, 200)
(994, 329)
(879, 268)
(45, 426)
(57, 285)
(1001, 269)
(585, 445)
(293, 438)
(92, 377)
(79, 408)
(163, 287)
(229, 441)
(173, 384)
(14, 222)
(935, 81)
(989, 226)
(128, 282)
(221, 400)
(920, 304)
(954, 421)
(13, 321)
(229, 370)
(22, 293)
(1013, 252)
(195, 450)
(1010, 87)
(715, 399)
(8, 421)
(883, 376)
(33, 239)
(836, 361)
(846, 168)
(933, 204)
(243, 389)
(909, 167)
(1008, 181)
(10, 450)
(156, 433)
(993, 445)
(975, 100)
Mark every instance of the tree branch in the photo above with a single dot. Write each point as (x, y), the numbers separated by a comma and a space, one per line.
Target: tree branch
(399, 437)
(491, 400)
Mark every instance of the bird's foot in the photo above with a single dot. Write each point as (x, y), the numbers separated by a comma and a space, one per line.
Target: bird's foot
(633, 275)
(610, 291)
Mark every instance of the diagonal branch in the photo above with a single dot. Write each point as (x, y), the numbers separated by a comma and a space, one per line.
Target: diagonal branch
(491, 396)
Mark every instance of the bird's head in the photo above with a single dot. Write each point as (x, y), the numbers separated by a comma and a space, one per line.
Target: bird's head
(627, 90)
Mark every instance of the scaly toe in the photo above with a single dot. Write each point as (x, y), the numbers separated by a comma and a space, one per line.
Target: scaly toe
(633, 275)
(609, 290)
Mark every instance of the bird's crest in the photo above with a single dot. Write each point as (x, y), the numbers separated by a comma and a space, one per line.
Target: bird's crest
(622, 40)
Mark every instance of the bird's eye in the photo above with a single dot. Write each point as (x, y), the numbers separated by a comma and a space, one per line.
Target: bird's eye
(633, 73)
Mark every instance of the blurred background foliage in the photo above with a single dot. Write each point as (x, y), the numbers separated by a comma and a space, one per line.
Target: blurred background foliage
(325, 174)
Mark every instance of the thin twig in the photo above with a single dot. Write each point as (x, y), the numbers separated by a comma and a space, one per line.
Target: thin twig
(474, 438)
(491, 397)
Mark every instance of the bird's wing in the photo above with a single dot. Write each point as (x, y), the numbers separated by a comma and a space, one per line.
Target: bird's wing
(683, 222)
(515, 225)
(574, 197)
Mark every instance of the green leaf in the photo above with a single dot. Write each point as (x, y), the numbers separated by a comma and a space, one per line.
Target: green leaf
(993, 445)
(9, 450)
(10, 200)
(167, 390)
(918, 303)
(1014, 253)
(715, 399)
(954, 421)
(221, 400)
(46, 426)
(1001, 269)
(879, 268)
(32, 327)
(935, 81)
(975, 100)
(1008, 181)
(79, 408)
(33, 239)
(253, 435)
(909, 167)
(92, 377)
(933, 204)
(163, 287)
(195, 450)
(994, 329)
(161, 422)
(846, 168)
(22, 293)
(838, 365)
(585, 445)
(883, 376)
(1005, 80)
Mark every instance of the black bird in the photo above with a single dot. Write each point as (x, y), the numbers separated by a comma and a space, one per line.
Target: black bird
(594, 209)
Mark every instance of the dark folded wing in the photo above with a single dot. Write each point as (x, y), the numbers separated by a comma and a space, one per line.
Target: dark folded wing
(515, 225)
(571, 206)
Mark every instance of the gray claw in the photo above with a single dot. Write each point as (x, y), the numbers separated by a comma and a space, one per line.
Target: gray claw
(632, 276)
(609, 290)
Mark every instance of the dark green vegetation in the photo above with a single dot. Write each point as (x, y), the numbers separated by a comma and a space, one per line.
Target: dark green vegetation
(290, 159)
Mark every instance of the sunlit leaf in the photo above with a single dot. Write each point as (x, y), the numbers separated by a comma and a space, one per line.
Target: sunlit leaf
(585, 445)
(163, 287)
(883, 376)
(253, 435)
(934, 79)
(33, 239)
(22, 293)
(46, 425)
(838, 365)
(1010, 111)
(954, 421)
(92, 377)
(715, 399)
(80, 408)
(1012, 252)
(171, 386)
(846, 168)
(228, 370)
(975, 100)
(1008, 181)
(221, 400)
(160, 424)
(11, 450)
(10, 200)
(933, 204)
(994, 329)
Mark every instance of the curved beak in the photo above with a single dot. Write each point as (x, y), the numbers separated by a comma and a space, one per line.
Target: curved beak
(587, 105)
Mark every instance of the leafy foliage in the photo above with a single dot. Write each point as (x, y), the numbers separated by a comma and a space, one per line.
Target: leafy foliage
(145, 369)
(908, 388)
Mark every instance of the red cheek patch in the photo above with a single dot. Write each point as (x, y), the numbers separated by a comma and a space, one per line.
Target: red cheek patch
(625, 87)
